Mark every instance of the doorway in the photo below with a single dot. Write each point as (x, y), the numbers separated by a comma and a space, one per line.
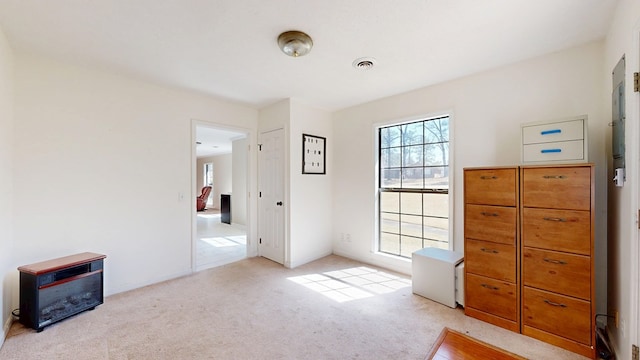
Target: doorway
(221, 163)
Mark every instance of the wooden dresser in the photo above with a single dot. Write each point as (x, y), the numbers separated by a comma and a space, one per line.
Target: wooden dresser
(492, 290)
(529, 261)
(557, 217)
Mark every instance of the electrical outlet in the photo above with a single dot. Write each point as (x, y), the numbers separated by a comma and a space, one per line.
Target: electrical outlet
(348, 237)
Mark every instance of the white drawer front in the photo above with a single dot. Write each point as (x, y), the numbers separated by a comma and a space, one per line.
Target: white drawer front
(556, 151)
(552, 132)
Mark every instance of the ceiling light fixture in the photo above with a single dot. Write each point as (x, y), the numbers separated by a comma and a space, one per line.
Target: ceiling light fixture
(295, 43)
(364, 63)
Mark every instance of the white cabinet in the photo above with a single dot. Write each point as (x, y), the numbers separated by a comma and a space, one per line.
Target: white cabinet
(434, 274)
(558, 141)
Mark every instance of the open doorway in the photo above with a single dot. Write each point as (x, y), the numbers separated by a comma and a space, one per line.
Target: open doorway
(220, 173)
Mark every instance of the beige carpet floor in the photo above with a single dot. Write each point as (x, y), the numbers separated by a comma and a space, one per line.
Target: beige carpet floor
(333, 308)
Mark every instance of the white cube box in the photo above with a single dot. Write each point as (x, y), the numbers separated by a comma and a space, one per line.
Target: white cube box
(433, 274)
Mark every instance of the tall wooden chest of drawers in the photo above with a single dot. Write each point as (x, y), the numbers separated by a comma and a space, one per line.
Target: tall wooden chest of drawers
(529, 261)
(557, 214)
(492, 290)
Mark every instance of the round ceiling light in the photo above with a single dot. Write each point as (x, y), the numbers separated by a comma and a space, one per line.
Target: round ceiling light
(364, 63)
(295, 43)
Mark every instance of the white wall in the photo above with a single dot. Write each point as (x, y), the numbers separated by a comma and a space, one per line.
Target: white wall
(7, 271)
(222, 177)
(239, 198)
(487, 110)
(624, 39)
(100, 162)
(311, 200)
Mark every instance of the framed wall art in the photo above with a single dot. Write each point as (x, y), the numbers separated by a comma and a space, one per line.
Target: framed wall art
(313, 154)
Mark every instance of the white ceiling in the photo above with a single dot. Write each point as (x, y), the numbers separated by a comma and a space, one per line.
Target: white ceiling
(227, 48)
(212, 141)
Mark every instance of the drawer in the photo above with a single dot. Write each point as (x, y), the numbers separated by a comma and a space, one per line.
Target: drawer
(553, 132)
(560, 315)
(563, 273)
(561, 230)
(491, 296)
(554, 151)
(541, 186)
(491, 223)
(497, 261)
(491, 186)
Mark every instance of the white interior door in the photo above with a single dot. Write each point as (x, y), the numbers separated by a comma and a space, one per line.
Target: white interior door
(271, 236)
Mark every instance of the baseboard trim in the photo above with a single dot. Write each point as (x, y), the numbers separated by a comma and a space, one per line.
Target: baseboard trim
(383, 261)
(5, 329)
(134, 286)
(292, 265)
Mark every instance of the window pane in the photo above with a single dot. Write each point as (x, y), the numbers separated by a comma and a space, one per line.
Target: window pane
(436, 229)
(436, 244)
(436, 154)
(390, 243)
(412, 134)
(412, 178)
(411, 203)
(411, 225)
(436, 205)
(436, 130)
(390, 202)
(436, 177)
(390, 178)
(412, 156)
(390, 223)
(390, 136)
(409, 245)
(390, 158)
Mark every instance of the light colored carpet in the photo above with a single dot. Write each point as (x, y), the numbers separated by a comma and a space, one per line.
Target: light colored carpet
(333, 308)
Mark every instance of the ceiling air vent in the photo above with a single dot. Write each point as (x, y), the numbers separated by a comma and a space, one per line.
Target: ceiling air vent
(365, 63)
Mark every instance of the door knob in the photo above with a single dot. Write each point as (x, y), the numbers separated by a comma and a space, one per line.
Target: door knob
(279, 203)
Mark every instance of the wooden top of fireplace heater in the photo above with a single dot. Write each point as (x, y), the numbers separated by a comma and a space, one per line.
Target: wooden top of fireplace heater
(60, 263)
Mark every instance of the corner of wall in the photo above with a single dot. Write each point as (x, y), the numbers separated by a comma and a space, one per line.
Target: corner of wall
(5, 330)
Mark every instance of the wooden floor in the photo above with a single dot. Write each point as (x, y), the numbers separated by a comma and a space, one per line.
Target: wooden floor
(452, 345)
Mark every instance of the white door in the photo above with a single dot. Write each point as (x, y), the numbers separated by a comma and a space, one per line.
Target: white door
(271, 235)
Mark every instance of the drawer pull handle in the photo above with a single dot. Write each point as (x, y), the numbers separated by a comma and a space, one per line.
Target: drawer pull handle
(554, 219)
(485, 177)
(549, 132)
(554, 177)
(555, 303)
(487, 286)
(548, 151)
(489, 250)
(488, 213)
(559, 262)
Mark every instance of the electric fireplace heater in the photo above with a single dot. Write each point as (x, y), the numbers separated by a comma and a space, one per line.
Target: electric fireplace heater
(56, 289)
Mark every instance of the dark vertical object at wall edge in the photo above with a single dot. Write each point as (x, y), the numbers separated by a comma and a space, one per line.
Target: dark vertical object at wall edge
(225, 208)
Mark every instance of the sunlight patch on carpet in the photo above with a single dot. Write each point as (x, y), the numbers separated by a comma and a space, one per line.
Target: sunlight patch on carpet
(209, 216)
(352, 284)
(240, 239)
(222, 241)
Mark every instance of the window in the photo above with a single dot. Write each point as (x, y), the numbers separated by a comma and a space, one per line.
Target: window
(413, 186)
(208, 174)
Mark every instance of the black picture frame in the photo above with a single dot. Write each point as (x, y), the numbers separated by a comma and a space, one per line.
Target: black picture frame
(314, 154)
